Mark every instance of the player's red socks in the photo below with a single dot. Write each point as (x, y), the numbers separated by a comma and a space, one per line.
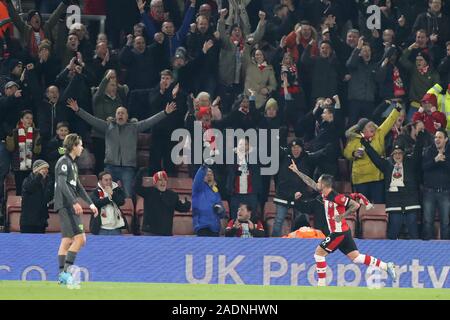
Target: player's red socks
(321, 268)
(370, 261)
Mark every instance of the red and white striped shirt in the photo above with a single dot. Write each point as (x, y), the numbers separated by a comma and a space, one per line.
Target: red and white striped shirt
(335, 204)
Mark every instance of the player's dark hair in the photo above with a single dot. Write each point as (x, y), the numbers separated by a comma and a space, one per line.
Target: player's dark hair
(70, 141)
(327, 179)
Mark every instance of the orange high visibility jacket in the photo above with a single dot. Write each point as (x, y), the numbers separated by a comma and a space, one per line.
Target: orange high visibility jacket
(306, 233)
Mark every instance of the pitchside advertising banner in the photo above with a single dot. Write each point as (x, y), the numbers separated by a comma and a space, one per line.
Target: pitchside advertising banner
(223, 261)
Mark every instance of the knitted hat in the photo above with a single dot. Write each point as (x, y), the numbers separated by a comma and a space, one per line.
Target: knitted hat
(32, 13)
(430, 98)
(398, 147)
(38, 165)
(296, 142)
(10, 84)
(13, 63)
(425, 56)
(271, 103)
(159, 175)
(362, 123)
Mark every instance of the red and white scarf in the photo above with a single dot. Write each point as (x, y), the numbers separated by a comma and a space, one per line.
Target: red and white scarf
(34, 42)
(399, 89)
(25, 139)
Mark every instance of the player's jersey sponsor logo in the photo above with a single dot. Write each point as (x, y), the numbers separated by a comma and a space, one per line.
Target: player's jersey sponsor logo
(64, 168)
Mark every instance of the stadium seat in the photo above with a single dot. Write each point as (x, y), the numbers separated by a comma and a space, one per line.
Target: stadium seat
(373, 222)
(128, 213)
(143, 158)
(180, 185)
(344, 169)
(13, 210)
(182, 224)
(10, 185)
(89, 182)
(343, 187)
(144, 141)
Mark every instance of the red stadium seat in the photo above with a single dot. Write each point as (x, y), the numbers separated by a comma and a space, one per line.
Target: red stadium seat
(343, 187)
(13, 210)
(89, 182)
(10, 185)
(143, 158)
(182, 224)
(344, 169)
(144, 141)
(373, 222)
(180, 185)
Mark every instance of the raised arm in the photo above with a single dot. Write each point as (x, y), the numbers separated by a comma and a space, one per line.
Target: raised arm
(309, 182)
(387, 124)
(379, 162)
(199, 178)
(96, 123)
(184, 29)
(146, 124)
(260, 28)
(17, 20)
(53, 19)
(149, 26)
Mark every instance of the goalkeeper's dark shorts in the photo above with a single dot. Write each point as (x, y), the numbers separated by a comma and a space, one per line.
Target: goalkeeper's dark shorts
(71, 224)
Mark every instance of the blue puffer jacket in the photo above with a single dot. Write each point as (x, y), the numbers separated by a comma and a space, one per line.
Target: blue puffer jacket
(203, 201)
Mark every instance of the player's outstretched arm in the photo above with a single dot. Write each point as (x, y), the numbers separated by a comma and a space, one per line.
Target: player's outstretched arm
(310, 182)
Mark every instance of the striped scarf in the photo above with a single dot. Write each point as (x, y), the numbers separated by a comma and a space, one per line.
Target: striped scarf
(25, 139)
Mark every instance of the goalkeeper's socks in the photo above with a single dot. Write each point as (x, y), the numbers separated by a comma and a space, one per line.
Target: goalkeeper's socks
(370, 261)
(61, 262)
(70, 259)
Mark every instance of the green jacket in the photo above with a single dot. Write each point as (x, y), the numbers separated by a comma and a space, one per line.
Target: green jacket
(26, 31)
(104, 106)
(418, 83)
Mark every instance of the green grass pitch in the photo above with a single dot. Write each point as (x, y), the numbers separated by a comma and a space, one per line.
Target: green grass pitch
(158, 291)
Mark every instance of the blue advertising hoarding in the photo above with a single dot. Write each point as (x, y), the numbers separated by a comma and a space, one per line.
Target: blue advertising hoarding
(268, 261)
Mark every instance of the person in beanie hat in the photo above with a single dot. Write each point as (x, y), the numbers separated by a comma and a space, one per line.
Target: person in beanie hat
(33, 31)
(421, 76)
(39, 165)
(37, 192)
(292, 192)
(160, 203)
(401, 186)
(428, 113)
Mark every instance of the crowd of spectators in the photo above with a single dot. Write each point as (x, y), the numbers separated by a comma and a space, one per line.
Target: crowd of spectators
(379, 98)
